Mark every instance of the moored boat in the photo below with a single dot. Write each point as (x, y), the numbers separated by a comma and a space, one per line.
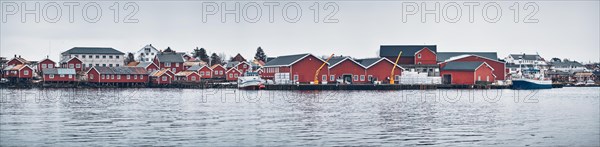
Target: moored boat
(250, 82)
(531, 84)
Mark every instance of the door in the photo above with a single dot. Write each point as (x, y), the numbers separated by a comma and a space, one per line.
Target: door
(447, 79)
(347, 78)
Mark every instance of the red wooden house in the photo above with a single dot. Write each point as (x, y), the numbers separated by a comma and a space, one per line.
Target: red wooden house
(205, 72)
(170, 60)
(411, 54)
(232, 74)
(187, 76)
(46, 63)
(59, 75)
(163, 76)
(380, 69)
(347, 70)
(466, 72)
(218, 71)
(500, 66)
(74, 63)
(20, 71)
(301, 67)
(243, 67)
(149, 66)
(259, 71)
(17, 60)
(122, 74)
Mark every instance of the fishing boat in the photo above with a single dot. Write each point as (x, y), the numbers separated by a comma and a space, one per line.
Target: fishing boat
(531, 78)
(250, 81)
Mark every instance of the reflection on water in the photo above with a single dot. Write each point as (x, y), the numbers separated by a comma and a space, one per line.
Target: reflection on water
(82, 117)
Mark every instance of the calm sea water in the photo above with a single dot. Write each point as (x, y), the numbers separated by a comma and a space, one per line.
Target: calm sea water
(229, 117)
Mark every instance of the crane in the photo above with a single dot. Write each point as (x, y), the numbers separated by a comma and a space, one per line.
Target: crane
(395, 64)
(316, 82)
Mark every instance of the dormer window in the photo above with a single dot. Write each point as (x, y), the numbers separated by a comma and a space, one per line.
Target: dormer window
(419, 56)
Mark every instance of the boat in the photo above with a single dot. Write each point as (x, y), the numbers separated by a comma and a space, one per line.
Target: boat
(250, 82)
(531, 79)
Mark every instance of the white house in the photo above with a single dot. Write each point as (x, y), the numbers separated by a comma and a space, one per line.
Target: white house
(95, 56)
(146, 54)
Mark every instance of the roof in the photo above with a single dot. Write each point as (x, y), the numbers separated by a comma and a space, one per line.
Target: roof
(526, 56)
(93, 50)
(185, 73)
(232, 64)
(122, 70)
(65, 60)
(215, 66)
(566, 64)
(368, 62)
(46, 59)
(61, 71)
(22, 60)
(462, 66)
(469, 55)
(158, 73)
(443, 56)
(238, 58)
(15, 67)
(193, 63)
(144, 64)
(335, 61)
(288, 60)
(197, 67)
(170, 57)
(407, 50)
(133, 63)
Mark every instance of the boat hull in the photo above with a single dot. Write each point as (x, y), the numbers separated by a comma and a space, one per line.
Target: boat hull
(250, 83)
(531, 84)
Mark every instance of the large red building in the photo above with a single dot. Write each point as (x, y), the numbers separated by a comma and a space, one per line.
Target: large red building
(301, 68)
(121, 74)
(418, 58)
(468, 73)
(380, 69)
(347, 70)
(59, 75)
(170, 60)
(499, 66)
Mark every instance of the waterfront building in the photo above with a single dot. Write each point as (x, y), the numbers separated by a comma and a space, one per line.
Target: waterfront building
(567, 66)
(347, 70)
(205, 72)
(149, 66)
(299, 68)
(218, 71)
(124, 74)
(500, 71)
(380, 69)
(232, 74)
(146, 54)
(162, 76)
(73, 62)
(170, 60)
(59, 75)
(418, 58)
(95, 56)
(17, 60)
(187, 76)
(18, 72)
(46, 63)
(469, 73)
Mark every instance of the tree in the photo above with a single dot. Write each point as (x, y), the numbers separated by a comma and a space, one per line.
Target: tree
(200, 53)
(130, 58)
(556, 60)
(215, 59)
(260, 55)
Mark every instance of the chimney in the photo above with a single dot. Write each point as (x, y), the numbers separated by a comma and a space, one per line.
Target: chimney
(15, 55)
(19, 56)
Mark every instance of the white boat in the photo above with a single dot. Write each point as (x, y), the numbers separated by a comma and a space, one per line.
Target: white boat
(250, 82)
(531, 78)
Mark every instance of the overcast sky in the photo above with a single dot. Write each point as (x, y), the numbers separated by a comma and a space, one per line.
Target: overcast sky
(565, 29)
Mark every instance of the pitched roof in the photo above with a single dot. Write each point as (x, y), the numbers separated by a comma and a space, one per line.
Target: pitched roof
(469, 55)
(15, 67)
(231, 64)
(443, 56)
(134, 63)
(288, 60)
(185, 73)
(197, 67)
(566, 64)
(93, 50)
(22, 60)
(526, 56)
(65, 60)
(215, 66)
(462, 66)
(368, 62)
(46, 59)
(121, 70)
(407, 50)
(335, 61)
(238, 58)
(144, 64)
(62, 71)
(170, 57)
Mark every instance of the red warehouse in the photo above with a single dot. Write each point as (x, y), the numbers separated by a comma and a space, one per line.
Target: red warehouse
(500, 66)
(59, 75)
(187, 76)
(232, 74)
(218, 71)
(46, 63)
(411, 54)
(347, 70)
(467, 73)
(19, 71)
(380, 69)
(170, 60)
(74, 63)
(301, 68)
(163, 76)
(121, 74)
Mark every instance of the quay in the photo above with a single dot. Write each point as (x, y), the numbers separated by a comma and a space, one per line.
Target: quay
(381, 87)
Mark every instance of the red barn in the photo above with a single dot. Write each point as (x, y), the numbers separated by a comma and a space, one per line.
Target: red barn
(121, 74)
(46, 63)
(59, 74)
(232, 74)
(301, 67)
(170, 60)
(468, 73)
(74, 63)
(380, 69)
(348, 70)
(163, 76)
(16, 61)
(218, 71)
(500, 66)
(20, 71)
(188, 76)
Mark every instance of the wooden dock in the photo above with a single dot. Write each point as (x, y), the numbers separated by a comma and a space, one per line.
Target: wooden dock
(380, 87)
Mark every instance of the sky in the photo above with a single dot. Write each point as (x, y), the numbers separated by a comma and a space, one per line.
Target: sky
(563, 29)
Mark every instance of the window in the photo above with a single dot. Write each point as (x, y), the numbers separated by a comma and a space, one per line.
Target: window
(362, 77)
(397, 78)
(117, 65)
(174, 70)
(83, 56)
(235, 75)
(295, 77)
(77, 65)
(112, 76)
(117, 57)
(97, 57)
(109, 65)
(221, 72)
(91, 76)
(128, 77)
(231, 75)
(208, 73)
(71, 66)
(62, 76)
(167, 64)
(134, 76)
(26, 72)
(118, 77)
(97, 64)
(164, 78)
(201, 73)
(487, 78)
(418, 62)
(51, 76)
(370, 78)
(43, 65)
(332, 78)
(355, 77)
(193, 78)
(142, 77)
(324, 78)
(110, 57)
(90, 56)
(478, 78)
(216, 72)
(176, 64)
(419, 56)
(245, 66)
(103, 65)
(70, 76)
(104, 57)
(102, 76)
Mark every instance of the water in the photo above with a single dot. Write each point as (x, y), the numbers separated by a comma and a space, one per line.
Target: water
(226, 117)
